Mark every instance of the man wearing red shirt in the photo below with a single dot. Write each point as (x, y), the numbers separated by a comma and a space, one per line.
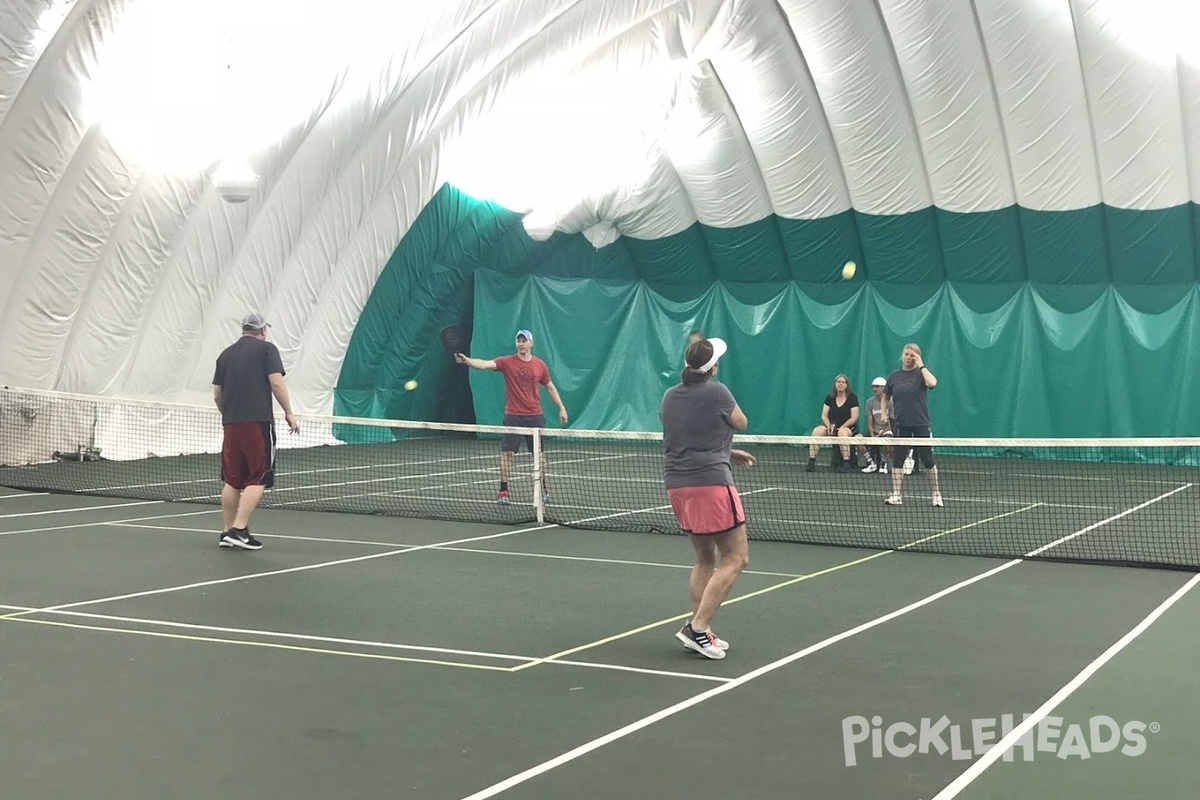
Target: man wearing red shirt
(523, 374)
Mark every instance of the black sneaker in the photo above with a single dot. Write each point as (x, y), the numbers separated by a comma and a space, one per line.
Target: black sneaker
(221, 540)
(241, 539)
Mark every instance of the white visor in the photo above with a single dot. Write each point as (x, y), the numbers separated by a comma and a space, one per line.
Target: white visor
(719, 348)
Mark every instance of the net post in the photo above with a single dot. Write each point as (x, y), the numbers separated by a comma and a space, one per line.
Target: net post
(537, 476)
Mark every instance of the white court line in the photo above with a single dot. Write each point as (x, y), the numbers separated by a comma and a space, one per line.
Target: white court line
(489, 471)
(644, 671)
(1095, 525)
(288, 570)
(1043, 477)
(94, 524)
(1117, 478)
(814, 523)
(288, 536)
(303, 637)
(387, 491)
(23, 494)
(84, 508)
(478, 550)
(387, 465)
(643, 511)
(703, 697)
(452, 501)
(1004, 745)
(622, 561)
(307, 567)
(607, 478)
(468, 501)
(637, 725)
(295, 648)
(339, 641)
(989, 500)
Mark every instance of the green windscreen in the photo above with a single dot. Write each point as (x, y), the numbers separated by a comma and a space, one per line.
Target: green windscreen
(1021, 369)
(1037, 323)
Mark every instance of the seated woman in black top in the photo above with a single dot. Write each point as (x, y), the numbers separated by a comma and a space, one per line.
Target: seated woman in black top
(839, 417)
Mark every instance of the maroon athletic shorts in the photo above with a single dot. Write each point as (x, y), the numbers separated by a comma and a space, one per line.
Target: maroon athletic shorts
(248, 455)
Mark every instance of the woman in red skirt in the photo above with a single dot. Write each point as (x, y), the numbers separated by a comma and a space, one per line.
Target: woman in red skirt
(699, 417)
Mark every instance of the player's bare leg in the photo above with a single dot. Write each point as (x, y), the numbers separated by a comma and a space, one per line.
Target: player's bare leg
(506, 460)
(229, 506)
(247, 503)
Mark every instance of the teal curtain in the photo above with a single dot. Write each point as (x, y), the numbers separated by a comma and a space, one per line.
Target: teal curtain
(1073, 323)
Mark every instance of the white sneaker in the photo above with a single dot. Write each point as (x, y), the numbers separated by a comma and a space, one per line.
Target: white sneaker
(894, 500)
(700, 641)
(937, 499)
(871, 467)
(883, 468)
(720, 643)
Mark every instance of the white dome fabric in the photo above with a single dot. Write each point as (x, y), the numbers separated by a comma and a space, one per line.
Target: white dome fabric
(122, 271)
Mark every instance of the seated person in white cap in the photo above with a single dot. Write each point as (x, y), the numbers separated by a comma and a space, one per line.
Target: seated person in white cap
(877, 425)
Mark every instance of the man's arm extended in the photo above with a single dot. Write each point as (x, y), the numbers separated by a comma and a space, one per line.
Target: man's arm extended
(474, 363)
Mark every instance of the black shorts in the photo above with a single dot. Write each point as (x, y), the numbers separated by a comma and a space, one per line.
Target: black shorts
(511, 443)
(900, 452)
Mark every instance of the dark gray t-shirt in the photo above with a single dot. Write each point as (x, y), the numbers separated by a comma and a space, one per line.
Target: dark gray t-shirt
(243, 373)
(697, 436)
(908, 402)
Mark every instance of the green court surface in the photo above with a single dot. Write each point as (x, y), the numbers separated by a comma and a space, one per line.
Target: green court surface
(1130, 731)
(366, 657)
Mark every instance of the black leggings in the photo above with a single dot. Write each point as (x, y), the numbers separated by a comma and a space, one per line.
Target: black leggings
(900, 452)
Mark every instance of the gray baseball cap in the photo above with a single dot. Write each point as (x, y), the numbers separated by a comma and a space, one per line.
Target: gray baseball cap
(255, 321)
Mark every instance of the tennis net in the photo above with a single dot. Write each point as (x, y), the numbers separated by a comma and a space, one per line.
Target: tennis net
(1113, 501)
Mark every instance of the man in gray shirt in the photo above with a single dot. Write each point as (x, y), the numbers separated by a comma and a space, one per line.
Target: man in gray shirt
(248, 373)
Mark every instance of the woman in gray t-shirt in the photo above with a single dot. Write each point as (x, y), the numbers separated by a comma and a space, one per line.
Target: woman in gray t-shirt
(907, 404)
(699, 417)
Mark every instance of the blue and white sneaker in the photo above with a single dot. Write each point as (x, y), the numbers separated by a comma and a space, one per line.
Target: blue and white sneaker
(720, 643)
(703, 642)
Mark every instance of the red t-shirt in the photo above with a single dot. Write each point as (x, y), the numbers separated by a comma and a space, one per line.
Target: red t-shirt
(521, 381)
